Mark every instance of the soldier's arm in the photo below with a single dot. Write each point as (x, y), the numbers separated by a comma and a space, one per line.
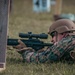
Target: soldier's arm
(53, 53)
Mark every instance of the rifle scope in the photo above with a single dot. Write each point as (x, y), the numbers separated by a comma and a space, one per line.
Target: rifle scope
(30, 35)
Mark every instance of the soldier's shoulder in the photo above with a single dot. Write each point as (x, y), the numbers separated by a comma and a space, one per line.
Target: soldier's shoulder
(67, 39)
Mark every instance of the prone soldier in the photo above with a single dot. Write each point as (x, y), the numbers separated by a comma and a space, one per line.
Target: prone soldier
(63, 37)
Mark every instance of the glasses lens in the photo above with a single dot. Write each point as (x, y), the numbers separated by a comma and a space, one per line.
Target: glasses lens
(53, 34)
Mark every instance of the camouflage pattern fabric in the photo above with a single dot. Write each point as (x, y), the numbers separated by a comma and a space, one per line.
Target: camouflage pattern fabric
(53, 53)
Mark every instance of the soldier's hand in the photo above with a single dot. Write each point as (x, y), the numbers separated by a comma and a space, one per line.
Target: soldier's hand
(22, 46)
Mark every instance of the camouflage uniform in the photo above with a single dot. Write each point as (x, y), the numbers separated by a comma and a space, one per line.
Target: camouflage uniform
(54, 53)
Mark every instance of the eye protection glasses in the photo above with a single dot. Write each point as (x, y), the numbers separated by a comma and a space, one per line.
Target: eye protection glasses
(53, 34)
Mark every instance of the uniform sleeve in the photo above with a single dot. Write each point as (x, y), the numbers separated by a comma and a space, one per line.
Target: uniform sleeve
(58, 51)
(53, 53)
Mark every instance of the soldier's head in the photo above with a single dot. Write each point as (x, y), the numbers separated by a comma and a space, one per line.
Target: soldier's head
(61, 28)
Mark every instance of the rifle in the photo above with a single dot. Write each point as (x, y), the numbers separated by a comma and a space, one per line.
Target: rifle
(32, 41)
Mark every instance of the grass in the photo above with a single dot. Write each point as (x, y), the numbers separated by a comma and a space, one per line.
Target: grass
(23, 19)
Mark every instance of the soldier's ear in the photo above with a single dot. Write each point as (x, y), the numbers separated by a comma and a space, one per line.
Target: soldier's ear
(64, 34)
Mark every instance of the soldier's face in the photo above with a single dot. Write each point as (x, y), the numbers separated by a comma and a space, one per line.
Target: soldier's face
(57, 37)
